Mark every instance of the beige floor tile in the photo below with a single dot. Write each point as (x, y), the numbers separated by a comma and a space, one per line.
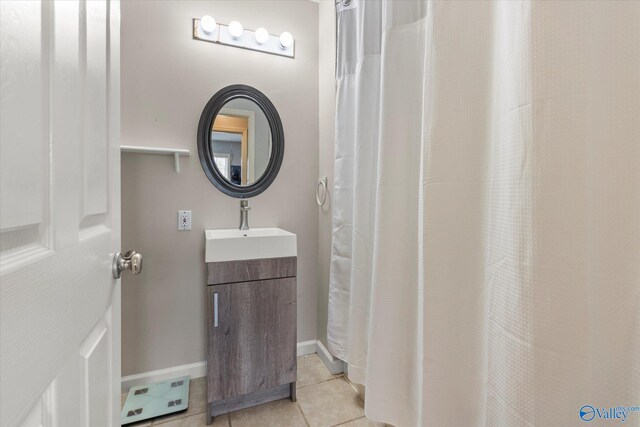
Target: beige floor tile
(281, 413)
(330, 403)
(311, 370)
(360, 389)
(362, 422)
(197, 420)
(145, 423)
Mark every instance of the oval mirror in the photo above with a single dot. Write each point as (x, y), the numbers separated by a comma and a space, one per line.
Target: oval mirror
(240, 141)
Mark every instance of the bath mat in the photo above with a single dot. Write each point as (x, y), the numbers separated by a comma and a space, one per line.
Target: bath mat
(152, 400)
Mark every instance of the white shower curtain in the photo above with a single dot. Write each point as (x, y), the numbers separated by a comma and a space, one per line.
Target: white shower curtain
(486, 242)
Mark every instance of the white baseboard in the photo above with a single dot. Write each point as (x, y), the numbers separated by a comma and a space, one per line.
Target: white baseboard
(194, 370)
(333, 364)
(306, 347)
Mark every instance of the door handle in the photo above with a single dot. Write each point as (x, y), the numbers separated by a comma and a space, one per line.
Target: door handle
(131, 260)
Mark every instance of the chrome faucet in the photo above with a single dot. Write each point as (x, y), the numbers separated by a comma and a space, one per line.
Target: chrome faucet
(244, 214)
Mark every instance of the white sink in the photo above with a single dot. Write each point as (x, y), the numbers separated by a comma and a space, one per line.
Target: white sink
(255, 243)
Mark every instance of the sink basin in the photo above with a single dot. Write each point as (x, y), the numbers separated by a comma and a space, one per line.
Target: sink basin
(255, 243)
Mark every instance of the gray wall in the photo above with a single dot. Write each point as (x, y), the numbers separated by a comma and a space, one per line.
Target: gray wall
(326, 110)
(167, 78)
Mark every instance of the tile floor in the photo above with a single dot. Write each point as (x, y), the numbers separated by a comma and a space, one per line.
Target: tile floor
(324, 400)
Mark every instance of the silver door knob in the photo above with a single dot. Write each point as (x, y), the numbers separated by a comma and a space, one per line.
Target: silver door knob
(131, 260)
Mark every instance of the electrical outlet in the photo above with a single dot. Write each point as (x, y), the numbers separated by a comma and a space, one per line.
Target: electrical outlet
(184, 220)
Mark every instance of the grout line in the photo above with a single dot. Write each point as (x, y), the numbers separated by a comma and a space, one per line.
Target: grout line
(353, 386)
(348, 421)
(304, 417)
(320, 382)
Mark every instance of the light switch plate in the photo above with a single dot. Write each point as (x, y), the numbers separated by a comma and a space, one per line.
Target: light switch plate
(184, 220)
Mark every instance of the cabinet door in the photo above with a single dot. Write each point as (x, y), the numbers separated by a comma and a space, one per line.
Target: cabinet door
(253, 346)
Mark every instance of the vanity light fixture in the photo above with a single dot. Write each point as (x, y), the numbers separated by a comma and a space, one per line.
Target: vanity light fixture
(262, 35)
(235, 29)
(208, 29)
(286, 40)
(208, 24)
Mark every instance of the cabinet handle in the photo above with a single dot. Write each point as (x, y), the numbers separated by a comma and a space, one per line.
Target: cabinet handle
(215, 309)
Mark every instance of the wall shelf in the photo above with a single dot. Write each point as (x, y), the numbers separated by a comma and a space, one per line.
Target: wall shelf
(175, 152)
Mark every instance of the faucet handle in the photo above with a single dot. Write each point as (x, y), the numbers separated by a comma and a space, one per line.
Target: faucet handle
(244, 205)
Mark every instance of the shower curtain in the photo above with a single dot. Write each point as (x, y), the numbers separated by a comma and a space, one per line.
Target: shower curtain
(486, 241)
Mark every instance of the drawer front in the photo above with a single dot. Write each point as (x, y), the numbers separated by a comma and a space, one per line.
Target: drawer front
(253, 346)
(219, 273)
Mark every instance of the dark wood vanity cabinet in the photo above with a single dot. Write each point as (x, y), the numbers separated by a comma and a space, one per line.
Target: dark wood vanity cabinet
(251, 333)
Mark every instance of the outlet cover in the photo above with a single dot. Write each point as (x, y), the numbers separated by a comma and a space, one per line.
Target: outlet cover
(184, 220)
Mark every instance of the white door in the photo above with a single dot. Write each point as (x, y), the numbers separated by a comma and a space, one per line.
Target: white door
(59, 213)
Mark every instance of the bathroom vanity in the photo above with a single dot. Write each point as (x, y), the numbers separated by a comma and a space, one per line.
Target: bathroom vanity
(251, 272)
(251, 318)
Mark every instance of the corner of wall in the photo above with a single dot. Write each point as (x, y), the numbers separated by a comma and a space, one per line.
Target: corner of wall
(326, 139)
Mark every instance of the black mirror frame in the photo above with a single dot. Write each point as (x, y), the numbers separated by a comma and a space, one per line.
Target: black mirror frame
(210, 111)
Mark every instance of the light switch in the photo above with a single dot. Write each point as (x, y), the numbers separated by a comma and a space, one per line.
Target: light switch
(184, 220)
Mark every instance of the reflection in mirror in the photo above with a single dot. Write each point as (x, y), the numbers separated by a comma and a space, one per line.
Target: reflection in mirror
(241, 142)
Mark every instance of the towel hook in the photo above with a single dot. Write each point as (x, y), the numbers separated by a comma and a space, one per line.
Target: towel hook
(321, 198)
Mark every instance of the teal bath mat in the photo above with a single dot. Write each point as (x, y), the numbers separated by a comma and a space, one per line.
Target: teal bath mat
(152, 400)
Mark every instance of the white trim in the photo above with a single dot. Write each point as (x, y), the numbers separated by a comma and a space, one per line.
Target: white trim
(194, 370)
(306, 347)
(333, 364)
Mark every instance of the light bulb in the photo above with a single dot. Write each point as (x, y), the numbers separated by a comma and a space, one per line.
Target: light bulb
(262, 35)
(235, 29)
(208, 24)
(286, 39)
